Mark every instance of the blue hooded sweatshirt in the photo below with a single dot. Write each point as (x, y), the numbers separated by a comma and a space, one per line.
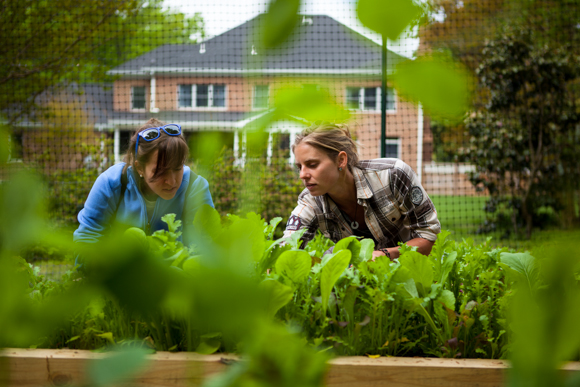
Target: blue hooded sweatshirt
(104, 197)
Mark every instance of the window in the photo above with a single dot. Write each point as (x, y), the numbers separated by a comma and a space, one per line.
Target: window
(393, 148)
(138, 97)
(352, 97)
(185, 96)
(369, 98)
(200, 96)
(261, 96)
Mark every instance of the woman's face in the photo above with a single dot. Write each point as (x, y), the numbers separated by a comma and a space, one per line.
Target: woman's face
(318, 172)
(166, 185)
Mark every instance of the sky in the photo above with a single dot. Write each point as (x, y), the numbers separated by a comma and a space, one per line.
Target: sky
(222, 15)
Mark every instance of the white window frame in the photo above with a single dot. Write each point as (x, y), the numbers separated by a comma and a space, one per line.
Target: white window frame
(361, 100)
(254, 108)
(395, 141)
(210, 106)
(132, 96)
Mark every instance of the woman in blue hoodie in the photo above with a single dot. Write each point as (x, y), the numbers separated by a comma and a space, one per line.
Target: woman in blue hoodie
(153, 181)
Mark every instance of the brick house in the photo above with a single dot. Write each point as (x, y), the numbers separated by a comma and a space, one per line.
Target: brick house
(223, 83)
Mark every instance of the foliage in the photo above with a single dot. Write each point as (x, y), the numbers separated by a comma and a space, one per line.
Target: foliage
(525, 142)
(544, 313)
(53, 43)
(280, 185)
(449, 304)
(153, 292)
(463, 27)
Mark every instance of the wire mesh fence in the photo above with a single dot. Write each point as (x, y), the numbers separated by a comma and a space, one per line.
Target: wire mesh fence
(78, 78)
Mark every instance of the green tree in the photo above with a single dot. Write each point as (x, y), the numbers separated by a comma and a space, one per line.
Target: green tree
(49, 43)
(524, 142)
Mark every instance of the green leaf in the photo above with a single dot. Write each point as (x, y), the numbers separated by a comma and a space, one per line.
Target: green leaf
(411, 288)
(271, 255)
(367, 246)
(308, 104)
(420, 269)
(294, 264)
(279, 21)
(119, 366)
(207, 221)
(387, 17)
(523, 265)
(440, 85)
(294, 239)
(209, 344)
(277, 295)
(192, 265)
(107, 336)
(349, 243)
(446, 266)
(330, 273)
(447, 298)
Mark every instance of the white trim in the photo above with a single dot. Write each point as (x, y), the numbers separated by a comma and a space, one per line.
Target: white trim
(189, 70)
(152, 94)
(269, 150)
(233, 125)
(236, 144)
(420, 141)
(117, 145)
(292, 140)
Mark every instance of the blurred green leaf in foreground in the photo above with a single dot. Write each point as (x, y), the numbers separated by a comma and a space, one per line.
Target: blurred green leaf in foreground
(545, 319)
(439, 84)
(388, 17)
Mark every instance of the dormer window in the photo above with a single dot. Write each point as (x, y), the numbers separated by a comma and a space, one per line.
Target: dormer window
(201, 96)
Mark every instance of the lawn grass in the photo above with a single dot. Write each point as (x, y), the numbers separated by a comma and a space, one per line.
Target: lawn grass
(462, 215)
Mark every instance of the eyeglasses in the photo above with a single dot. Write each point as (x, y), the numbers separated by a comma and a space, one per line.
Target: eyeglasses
(152, 134)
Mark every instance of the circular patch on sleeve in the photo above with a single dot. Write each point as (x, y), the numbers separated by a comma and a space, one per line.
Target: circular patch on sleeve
(416, 195)
(294, 223)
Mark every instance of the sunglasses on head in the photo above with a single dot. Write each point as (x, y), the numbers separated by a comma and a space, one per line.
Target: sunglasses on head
(152, 134)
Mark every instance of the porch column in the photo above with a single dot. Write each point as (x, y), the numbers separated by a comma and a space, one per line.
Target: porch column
(420, 141)
(152, 93)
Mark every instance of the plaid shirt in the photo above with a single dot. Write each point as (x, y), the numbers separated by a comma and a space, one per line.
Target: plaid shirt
(397, 208)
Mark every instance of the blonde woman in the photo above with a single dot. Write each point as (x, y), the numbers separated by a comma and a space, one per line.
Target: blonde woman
(381, 199)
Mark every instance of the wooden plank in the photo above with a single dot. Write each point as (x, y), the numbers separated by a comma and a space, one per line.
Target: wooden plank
(415, 372)
(43, 367)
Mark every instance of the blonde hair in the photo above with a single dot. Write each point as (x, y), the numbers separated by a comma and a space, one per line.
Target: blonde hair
(331, 139)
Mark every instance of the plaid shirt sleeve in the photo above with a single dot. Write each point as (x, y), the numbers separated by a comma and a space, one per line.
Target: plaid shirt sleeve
(420, 216)
(303, 216)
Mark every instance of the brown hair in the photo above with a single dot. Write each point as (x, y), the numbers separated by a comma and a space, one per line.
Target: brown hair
(173, 150)
(331, 139)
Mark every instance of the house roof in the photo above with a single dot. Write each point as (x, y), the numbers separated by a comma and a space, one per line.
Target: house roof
(94, 101)
(318, 45)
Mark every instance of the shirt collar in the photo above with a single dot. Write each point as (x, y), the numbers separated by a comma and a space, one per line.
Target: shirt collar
(363, 189)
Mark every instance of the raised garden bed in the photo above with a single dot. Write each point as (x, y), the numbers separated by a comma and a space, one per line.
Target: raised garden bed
(45, 367)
